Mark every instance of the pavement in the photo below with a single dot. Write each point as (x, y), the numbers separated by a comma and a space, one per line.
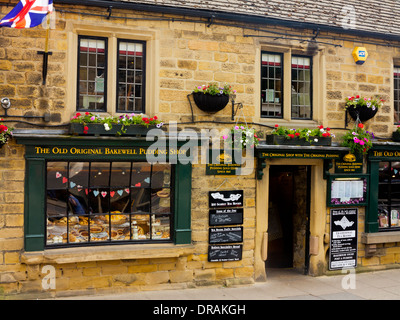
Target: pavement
(281, 284)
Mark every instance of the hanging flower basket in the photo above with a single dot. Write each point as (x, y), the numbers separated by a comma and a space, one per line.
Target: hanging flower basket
(210, 103)
(5, 133)
(362, 108)
(212, 98)
(363, 112)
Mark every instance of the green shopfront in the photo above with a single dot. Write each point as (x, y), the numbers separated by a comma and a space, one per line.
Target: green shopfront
(102, 191)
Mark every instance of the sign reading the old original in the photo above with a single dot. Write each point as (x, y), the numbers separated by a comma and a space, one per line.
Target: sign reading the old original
(221, 217)
(349, 163)
(225, 235)
(343, 238)
(105, 151)
(221, 199)
(225, 253)
(223, 163)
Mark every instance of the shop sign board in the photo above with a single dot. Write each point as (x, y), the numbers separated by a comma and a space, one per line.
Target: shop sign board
(349, 163)
(226, 235)
(343, 238)
(222, 253)
(223, 199)
(220, 217)
(223, 163)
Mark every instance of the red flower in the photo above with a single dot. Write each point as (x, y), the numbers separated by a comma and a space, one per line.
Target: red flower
(360, 125)
(276, 126)
(328, 129)
(78, 114)
(3, 128)
(291, 135)
(320, 127)
(357, 96)
(297, 134)
(155, 118)
(87, 113)
(325, 134)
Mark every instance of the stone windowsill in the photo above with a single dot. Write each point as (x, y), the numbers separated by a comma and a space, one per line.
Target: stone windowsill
(117, 252)
(380, 237)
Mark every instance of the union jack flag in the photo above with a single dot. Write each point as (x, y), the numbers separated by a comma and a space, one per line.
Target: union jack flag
(27, 14)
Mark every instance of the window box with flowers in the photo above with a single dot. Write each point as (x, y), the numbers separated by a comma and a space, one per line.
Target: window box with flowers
(396, 134)
(5, 133)
(129, 125)
(362, 108)
(319, 136)
(212, 98)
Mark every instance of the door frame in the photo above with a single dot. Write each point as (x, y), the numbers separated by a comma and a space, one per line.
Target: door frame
(317, 212)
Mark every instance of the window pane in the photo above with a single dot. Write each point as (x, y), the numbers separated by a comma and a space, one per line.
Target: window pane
(301, 87)
(271, 85)
(107, 202)
(92, 74)
(130, 82)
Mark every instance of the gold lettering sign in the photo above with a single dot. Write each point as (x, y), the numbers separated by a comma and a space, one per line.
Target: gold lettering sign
(104, 151)
(299, 155)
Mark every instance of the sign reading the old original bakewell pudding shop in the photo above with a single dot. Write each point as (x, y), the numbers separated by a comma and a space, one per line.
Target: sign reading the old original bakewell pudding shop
(343, 238)
(222, 199)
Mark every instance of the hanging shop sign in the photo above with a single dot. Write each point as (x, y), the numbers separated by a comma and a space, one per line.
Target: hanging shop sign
(222, 253)
(223, 163)
(225, 235)
(221, 217)
(221, 199)
(349, 163)
(343, 238)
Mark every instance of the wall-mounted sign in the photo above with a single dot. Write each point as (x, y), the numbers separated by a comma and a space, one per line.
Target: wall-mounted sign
(223, 163)
(221, 217)
(225, 253)
(225, 235)
(221, 199)
(349, 163)
(360, 55)
(343, 238)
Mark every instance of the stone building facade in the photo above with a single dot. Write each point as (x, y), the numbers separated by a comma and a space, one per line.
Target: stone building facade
(185, 50)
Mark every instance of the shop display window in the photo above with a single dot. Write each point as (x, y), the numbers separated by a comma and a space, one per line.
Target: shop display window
(108, 202)
(389, 195)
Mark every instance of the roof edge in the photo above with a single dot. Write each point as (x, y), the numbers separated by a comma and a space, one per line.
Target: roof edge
(208, 14)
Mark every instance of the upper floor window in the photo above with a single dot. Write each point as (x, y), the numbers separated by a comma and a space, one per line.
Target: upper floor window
(286, 86)
(92, 74)
(271, 85)
(94, 55)
(301, 88)
(131, 60)
(396, 98)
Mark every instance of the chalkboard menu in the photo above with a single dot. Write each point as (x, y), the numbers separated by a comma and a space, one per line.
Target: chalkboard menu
(222, 199)
(226, 235)
(225, 253)
(222, 217)
(343, 238)
(225, 211)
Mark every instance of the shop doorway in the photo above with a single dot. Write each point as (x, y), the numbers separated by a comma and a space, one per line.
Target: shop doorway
(288, 217)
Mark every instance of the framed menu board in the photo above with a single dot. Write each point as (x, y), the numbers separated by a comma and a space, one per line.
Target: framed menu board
(346, 190)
